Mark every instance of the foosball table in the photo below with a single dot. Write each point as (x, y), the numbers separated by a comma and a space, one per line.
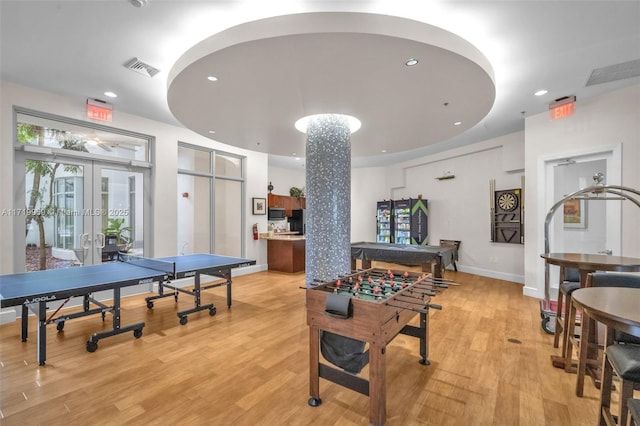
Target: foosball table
(372, 306)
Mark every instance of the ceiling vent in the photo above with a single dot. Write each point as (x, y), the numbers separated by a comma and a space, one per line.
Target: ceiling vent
(141, 67)
(615, 72)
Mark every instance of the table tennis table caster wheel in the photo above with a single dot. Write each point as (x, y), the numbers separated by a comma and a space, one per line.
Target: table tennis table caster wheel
(149, 304)
(60, 326)
(137, 333)
(183, 320)
(92, 346)
(315, 402)
(213, 311)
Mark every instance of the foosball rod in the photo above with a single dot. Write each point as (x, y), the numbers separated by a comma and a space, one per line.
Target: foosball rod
(421, 293)
(424, 310)
(441, 280)
(405, 298)
(406, 308)
(411, 302)
(429, 292)
(437, 289)
(429, 286)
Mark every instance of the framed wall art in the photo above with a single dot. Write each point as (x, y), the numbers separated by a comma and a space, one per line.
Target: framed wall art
(575, 213)
(259, 205)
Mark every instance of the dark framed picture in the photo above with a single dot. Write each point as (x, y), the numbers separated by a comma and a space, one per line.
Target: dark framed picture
(259, 206)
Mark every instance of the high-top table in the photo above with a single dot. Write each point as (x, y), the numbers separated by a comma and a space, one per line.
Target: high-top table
(587, 263)
(618, 309)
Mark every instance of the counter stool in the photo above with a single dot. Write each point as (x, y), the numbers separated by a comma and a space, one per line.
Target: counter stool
(570, 282)
(588, 352)
(634, 412)
(624, 360)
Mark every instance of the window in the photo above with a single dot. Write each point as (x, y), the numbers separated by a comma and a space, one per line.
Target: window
(210, 201)
(67, 134)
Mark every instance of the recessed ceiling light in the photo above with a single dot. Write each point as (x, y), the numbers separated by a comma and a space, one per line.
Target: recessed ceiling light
(298, 158)
(293, 154)
(110, 94)
(384, 150)
(212, 78)
(411, 62)
(457, 123)
(541, 92)
(138, 3)
(212, 131)
(303, 123)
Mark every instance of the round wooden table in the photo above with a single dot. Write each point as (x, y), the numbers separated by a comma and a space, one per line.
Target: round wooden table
(587, 263)
(618, 309)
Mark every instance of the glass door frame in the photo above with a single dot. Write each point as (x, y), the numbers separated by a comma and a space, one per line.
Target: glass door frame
(93, 165)
(92, 193)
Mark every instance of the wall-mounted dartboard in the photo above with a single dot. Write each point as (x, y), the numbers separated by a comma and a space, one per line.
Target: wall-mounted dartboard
(508, 201)
(507, 216)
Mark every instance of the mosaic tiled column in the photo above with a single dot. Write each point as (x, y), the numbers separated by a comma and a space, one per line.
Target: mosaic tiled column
(328, 180)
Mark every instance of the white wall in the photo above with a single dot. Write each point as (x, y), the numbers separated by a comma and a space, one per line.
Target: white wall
(165, 188)
(459, 208)
(283, 179)
(368, 185)
(600, 123)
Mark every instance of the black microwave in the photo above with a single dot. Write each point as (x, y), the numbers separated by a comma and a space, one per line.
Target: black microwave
(276, 213)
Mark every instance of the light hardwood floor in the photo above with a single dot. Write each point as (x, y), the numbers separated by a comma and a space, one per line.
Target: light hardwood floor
(248, 365)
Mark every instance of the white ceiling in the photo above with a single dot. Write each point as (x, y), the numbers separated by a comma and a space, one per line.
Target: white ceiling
(485, 59)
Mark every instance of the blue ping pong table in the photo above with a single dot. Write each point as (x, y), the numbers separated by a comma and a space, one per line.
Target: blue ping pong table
(33, 290)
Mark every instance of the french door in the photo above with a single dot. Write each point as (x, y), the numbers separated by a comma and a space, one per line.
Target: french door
(78, 211)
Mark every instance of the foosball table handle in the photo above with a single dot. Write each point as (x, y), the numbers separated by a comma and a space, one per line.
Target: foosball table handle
(432, 306)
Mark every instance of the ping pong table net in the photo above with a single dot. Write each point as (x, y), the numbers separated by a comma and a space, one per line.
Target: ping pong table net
(148, 263)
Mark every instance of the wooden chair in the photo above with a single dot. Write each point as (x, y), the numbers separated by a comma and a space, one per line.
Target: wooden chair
(452, 243)
(624, 360)
(589, 351)
(570, 281)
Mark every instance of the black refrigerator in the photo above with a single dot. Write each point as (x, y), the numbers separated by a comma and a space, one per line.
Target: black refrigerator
(297, 221)
(410, 221)
(384, 221)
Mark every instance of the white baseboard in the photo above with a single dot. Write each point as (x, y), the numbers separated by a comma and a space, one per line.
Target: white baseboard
(492, 274)
(248, 270)
(8, 315)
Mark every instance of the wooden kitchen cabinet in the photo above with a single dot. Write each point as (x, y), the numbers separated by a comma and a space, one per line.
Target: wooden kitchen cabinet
(286, 202)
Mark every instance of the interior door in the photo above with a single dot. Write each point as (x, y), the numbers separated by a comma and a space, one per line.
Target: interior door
(584, 226)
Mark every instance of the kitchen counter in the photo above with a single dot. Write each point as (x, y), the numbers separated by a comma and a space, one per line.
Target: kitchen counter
(285, 252)
(292, 236)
